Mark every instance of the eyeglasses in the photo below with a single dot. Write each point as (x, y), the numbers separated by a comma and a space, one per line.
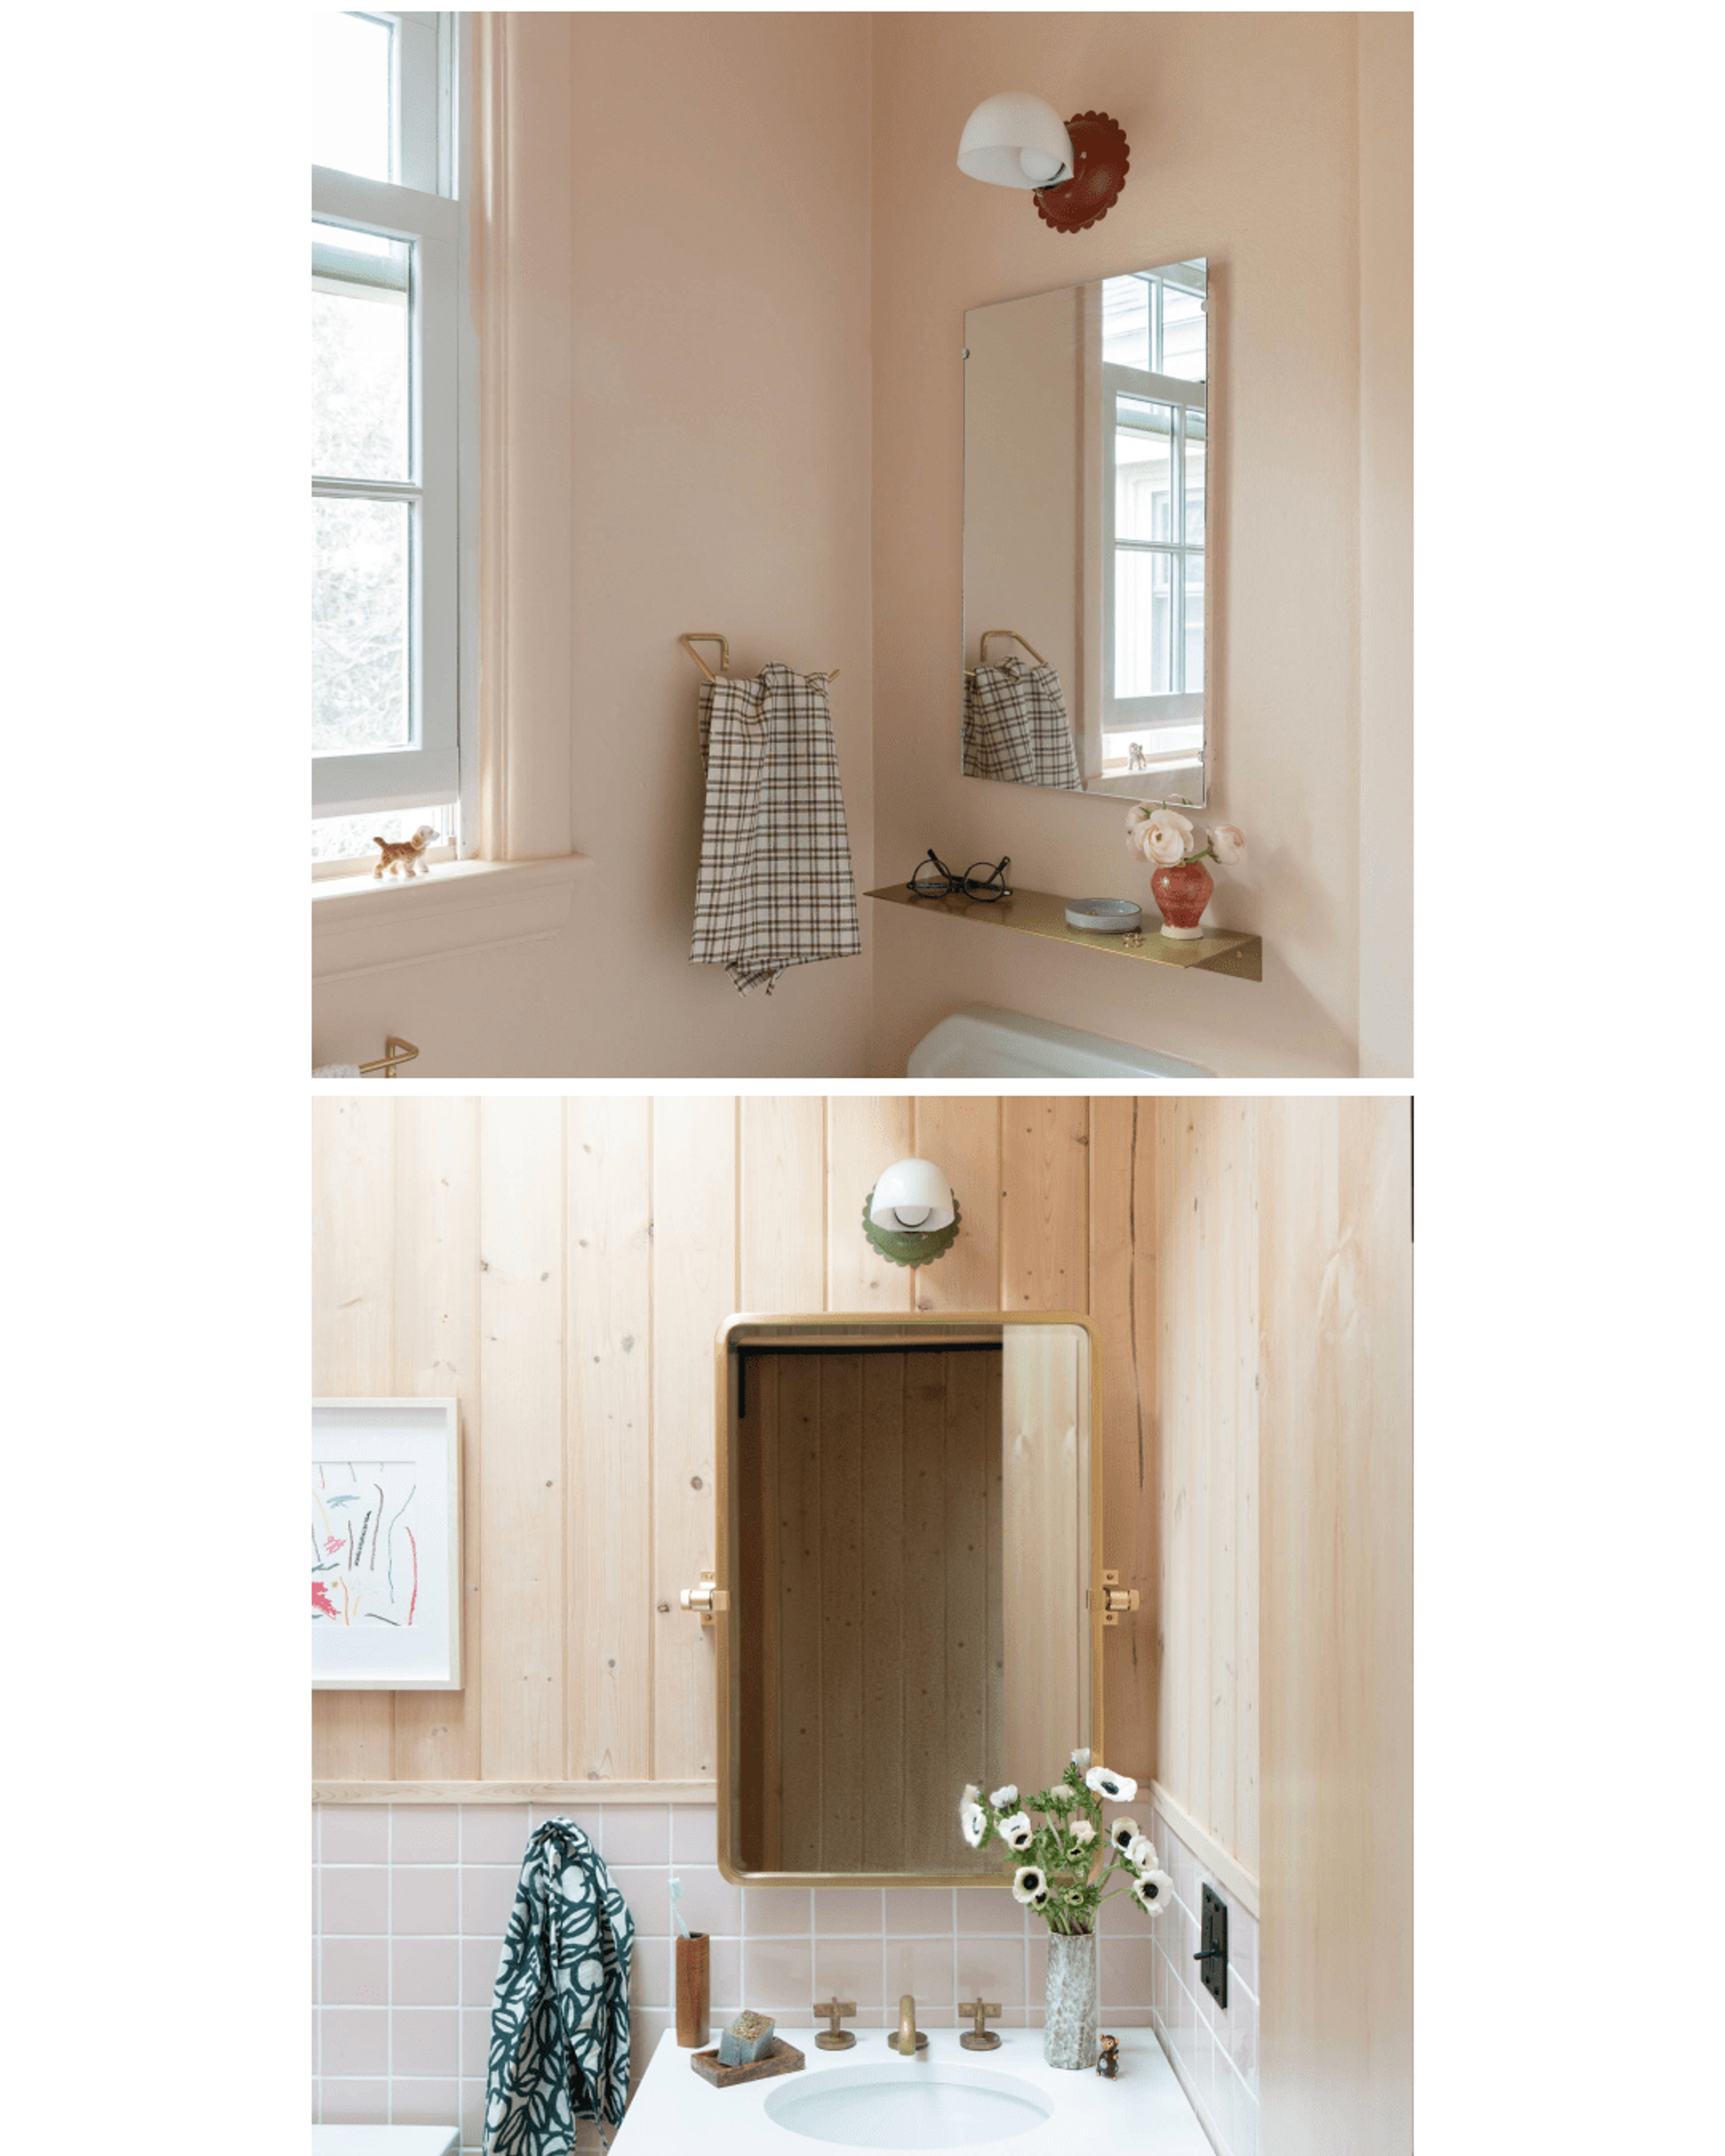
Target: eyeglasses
(982, 879)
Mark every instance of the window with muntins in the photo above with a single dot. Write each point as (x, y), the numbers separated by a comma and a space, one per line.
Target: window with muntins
(1153, 436)
(386, 492)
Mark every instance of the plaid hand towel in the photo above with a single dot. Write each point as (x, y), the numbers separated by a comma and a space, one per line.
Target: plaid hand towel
(1015, 727)
(775, 887)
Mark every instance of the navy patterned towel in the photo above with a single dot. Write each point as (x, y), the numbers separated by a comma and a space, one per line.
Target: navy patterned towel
(560, 2012)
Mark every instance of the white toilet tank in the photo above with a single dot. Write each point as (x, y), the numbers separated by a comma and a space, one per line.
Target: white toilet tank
(986, 1042)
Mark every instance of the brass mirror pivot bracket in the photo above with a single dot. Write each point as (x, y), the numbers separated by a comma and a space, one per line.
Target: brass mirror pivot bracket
(980, 2038)
(833, 2038)
(1115, 1598)
(705, 1599)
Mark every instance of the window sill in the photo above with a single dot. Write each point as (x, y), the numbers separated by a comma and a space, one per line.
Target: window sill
(363, 926)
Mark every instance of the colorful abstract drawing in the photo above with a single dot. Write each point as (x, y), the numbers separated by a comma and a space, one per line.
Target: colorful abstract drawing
(365, 1555)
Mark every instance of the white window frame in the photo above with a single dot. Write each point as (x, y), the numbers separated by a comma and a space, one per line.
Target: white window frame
(1179, 707)
(429, 215)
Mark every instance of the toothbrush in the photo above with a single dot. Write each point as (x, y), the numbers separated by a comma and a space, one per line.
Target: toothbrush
(676, 1895)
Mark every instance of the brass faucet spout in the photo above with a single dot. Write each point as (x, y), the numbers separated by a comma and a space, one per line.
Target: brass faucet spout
(906, 2045)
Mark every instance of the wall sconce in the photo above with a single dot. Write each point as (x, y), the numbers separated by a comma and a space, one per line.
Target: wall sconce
(1077, 166)
(910, 1216)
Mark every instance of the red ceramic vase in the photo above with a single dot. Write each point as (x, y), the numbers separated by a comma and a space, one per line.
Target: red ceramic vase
(1183, 891)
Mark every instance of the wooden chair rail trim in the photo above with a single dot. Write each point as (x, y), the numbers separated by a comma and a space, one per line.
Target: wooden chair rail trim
(512, 1793)
(1229, 1870)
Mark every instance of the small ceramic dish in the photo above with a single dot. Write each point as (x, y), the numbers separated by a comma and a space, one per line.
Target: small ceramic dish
(1104, 917)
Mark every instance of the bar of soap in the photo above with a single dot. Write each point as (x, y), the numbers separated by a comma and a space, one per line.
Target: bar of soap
(748, 2037)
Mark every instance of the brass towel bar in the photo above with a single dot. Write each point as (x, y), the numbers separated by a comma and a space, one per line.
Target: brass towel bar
(694, 636)
(396, 1051)
(971, 672)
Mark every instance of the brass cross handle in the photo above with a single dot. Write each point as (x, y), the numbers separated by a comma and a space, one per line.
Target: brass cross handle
(980, 2038)
(833, 2038)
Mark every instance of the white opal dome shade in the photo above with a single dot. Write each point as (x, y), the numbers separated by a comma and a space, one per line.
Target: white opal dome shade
(913, 1196)
(1015, 141)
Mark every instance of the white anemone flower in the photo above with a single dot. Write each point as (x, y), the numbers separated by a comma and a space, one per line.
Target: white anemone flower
(1016, 1831)
(1141, 1853)
(972, 1823)
(1123, 1833)
(1080, 1759)
(1082, 1832)
(1118, 1789)
(1005, 1797)
(1150, 1890)
(971, 1793)
(1030, 1884)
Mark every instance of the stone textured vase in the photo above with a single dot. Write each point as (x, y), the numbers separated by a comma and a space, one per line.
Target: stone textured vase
(1069, 2026)
(1183, 891)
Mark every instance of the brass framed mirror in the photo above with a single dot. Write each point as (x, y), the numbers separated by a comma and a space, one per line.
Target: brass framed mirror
(907, 1593)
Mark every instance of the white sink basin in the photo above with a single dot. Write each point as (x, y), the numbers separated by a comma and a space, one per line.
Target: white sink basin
(908, 2105)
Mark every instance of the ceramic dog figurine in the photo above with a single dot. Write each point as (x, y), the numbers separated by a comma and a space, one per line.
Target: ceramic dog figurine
(399, 854)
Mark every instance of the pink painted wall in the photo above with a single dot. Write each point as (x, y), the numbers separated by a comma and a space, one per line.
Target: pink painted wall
(1244, 132)
(716, 294)
(769, 252)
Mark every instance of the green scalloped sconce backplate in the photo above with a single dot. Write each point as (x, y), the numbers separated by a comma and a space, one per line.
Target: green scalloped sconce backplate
(903, 1246)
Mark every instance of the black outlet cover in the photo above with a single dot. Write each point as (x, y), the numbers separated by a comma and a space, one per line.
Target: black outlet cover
(1213, 1946)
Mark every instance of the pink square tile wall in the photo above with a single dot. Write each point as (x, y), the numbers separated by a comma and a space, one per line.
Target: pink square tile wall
(413, 1901)
(1212, 2050)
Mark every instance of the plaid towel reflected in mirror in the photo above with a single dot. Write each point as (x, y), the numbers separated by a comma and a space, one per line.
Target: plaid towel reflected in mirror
(1015, 727)
(775, 887)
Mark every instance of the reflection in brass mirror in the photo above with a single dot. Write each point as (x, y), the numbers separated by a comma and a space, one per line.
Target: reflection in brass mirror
(907, 1594)
(1087, 420)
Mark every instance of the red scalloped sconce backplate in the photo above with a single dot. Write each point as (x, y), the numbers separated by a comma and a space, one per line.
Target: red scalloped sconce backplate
(1098, 146)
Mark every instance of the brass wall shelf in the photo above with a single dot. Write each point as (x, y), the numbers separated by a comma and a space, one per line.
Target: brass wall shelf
(1041, 913)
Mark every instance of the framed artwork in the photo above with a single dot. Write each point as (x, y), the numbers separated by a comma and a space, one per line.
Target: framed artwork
(386, 1545)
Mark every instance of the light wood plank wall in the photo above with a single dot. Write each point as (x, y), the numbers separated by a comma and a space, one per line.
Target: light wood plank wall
(1206, 1181)
(1336, 1234)
(560, 1265)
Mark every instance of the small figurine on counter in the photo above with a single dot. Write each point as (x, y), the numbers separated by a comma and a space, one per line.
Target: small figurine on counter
(1108, 2066)
(399, 854)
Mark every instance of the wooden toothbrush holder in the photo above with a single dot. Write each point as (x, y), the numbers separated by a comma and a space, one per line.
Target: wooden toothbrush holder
(693, 1956)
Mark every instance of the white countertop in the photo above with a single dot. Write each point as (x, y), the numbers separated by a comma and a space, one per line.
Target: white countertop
(675, 2110)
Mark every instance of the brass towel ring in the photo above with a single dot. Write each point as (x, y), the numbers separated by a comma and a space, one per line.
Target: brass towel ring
(982, 646)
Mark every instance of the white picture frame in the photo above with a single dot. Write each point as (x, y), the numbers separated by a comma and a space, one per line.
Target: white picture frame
(386, 1537)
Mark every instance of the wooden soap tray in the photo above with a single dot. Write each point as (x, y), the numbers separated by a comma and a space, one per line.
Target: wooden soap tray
(783, 2059)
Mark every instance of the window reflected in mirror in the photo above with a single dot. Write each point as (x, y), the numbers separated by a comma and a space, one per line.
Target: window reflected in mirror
(1085, 429)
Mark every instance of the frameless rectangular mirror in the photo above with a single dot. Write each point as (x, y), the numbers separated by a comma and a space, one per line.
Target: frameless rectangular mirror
(1087, 423)
(907, 1592)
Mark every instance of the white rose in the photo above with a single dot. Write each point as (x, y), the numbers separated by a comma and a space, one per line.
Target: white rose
(1227, 843)
(1163, 845)
(1173, 820)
